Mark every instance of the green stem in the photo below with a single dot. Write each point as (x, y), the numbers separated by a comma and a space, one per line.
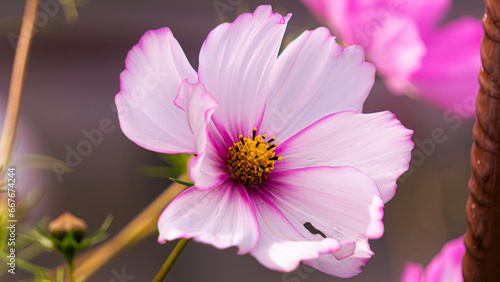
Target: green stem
(71, 267)
(165, 268)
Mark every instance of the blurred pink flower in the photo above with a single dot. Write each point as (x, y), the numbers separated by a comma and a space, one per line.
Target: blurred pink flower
(318, 196)
(445, 267)
(412, 54)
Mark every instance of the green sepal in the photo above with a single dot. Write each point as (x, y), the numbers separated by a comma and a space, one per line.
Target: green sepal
(180, 182)
(45, 239)
(69, 245)
(98, 236)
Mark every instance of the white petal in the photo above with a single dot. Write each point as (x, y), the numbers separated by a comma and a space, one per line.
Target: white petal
(207, 169)
(155, 68)
(337, 202)
(234, 62)
(312, 78)
(376, 144)
(222, 217)
(281, 247)
(333, 202)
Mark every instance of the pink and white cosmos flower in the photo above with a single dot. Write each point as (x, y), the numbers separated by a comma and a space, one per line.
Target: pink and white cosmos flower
(411, 52)
(444, 267)
(316, 196)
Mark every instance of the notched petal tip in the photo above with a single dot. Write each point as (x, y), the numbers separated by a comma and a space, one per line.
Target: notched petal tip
(150, 37)
(343, 264)
(154, 70)
(376, 226)
(346, 250)
(267, 11)
(357, 55)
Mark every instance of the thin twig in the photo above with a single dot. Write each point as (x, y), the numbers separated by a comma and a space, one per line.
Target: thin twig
(16, 82)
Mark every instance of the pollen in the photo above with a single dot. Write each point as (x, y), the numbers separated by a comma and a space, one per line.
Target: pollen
(251, 159)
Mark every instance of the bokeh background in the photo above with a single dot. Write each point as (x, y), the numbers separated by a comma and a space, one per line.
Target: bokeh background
(71, 81)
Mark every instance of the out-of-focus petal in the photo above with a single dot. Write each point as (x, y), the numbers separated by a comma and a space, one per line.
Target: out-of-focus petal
(444, 267)
(426, 13)
(412, 272)
(411, 52)
(222, 217)
(332, 13)
(314, 77)
(234, 62)
(397, 52)
(391, 38)
(447, 265)
(349, 18)
(344, 267)
(376, 144)
(207, 169)
(281, 247)
(448, 75)
(155, 69)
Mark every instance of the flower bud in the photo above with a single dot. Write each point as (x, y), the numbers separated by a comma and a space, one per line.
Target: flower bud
(65, 223)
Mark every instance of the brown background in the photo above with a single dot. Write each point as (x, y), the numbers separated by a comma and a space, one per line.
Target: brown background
(73, 75)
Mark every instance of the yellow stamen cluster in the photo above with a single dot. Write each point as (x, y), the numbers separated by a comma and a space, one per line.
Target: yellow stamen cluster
(252, 158)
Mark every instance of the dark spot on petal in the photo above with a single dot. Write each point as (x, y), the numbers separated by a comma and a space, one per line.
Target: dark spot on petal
(313, 230)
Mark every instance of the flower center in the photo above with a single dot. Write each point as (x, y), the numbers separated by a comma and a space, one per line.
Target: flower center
(252, 158)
